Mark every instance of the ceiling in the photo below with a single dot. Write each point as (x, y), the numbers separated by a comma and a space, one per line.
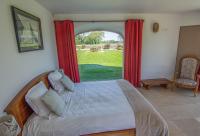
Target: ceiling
(120, 6)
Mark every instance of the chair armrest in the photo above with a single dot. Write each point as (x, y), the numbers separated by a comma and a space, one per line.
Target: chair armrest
(198, 76)
(175, 76)
(176, 73)
(198, 79)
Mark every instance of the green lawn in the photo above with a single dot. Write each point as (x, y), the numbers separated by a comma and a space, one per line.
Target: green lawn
(100, 65)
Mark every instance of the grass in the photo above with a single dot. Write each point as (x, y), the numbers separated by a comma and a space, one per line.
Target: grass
(100, 65)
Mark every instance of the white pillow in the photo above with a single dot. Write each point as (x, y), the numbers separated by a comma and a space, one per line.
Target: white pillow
(54, 102)
(67, 82)
(54, 79)
(33, 99)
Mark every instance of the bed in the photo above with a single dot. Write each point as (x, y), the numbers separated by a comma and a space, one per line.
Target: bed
(94, 109)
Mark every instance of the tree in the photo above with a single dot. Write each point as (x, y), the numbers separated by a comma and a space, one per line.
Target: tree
(80, 39)
(111, 41)
(119, 37)
(94, 37)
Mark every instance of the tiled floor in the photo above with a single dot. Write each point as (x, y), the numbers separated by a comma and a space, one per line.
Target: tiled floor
(179, 108)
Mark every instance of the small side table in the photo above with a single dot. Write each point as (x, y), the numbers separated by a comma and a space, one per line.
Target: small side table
(156, 82)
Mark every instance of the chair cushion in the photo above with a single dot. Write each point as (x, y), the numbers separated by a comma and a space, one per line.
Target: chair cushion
(186, 82)
(188, 68)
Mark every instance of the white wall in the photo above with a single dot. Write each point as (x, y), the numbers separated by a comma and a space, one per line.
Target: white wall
(159, 49)
(16, 69)
(192, 18)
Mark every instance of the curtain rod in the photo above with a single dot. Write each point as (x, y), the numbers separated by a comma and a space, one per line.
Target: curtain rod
(96, 21)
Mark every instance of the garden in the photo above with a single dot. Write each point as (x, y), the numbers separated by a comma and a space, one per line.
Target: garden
(100, 60)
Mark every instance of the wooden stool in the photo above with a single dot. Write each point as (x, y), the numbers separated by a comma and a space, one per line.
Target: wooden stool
(156, 82)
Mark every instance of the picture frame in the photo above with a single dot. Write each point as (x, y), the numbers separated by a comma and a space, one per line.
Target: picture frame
(27, 30)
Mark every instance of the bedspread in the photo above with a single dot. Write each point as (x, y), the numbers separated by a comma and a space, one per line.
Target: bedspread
(148, 121)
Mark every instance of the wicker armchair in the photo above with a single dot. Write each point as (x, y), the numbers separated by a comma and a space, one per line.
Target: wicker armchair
(187, 76)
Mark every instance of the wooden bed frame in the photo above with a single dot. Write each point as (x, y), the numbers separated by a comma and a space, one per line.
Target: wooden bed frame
(21, 110)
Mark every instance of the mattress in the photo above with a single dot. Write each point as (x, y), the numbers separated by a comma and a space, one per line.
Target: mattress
(92, 108)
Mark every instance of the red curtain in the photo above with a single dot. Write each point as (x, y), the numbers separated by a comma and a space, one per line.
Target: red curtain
(67, 57)
(133, 47)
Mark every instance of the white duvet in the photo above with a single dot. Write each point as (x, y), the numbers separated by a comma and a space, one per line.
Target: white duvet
(93, 107)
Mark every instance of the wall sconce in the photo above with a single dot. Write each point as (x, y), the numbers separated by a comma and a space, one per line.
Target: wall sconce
(155, 27)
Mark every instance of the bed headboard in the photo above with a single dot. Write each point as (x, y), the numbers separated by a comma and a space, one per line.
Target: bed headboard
(18, 106)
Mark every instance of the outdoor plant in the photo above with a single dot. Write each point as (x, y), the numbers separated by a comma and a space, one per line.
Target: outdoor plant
(78, 47)
(119, 47)
(83, 46)
(95, 48)
(107, 46)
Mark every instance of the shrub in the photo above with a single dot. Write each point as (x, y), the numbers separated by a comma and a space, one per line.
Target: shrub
(94, 49)
(107, 46)
(119, 47)
(78, 47)
(83, 46)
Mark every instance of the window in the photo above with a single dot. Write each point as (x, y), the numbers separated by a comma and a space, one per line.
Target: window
(99, 55)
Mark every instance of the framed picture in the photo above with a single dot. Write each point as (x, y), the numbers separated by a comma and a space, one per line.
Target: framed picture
(28, 30)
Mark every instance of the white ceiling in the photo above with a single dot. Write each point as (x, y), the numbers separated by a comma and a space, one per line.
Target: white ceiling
(120, 6)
